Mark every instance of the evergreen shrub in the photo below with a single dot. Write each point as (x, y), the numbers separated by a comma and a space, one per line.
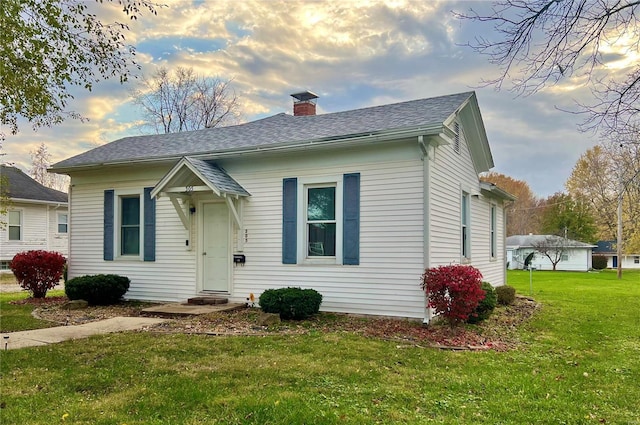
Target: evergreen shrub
(291, 303)
(101, 289)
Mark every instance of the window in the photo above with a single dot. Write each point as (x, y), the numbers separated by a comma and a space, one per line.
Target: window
(636, 259)
(63, 225)
(130, 225)
(493, 231)
(4, 265)
(15, 225)
(564, 257)
(466, 251)
(321, 221)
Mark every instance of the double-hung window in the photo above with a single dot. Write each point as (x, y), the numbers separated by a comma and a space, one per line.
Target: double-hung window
(321, 221)
(465, 226)
(63, 223)
(15, 225)
(492, 231)
(130, 225)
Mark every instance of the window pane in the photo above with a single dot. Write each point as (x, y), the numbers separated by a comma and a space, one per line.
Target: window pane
(14, 217)
(14, 233)
(130, 241)
(62, 228)
(130, 211)
(321, 204)
(322, 240)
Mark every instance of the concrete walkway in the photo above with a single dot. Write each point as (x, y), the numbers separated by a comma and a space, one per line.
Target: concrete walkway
(47, 336)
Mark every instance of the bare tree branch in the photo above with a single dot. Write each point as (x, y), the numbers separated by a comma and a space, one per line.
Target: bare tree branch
(185, 101)
(541, 42)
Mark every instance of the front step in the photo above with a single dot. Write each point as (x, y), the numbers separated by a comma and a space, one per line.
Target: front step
(207, 300)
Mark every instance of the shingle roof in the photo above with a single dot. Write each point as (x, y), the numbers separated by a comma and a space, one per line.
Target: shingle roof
(18, 185)
(531, 240)
(218, 177)
(605, 247)
(277, 130)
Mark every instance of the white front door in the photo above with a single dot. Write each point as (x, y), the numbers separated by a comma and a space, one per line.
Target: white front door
(215, 247)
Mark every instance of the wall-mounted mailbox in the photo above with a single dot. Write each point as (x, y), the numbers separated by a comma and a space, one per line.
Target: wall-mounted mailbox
(239, 259)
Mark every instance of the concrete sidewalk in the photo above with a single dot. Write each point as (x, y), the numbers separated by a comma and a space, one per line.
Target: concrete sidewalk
(47, 336)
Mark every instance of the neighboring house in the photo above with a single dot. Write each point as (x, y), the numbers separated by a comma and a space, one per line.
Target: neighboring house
(609, 250)
(354, 204)
(572, 255)
(37, 217)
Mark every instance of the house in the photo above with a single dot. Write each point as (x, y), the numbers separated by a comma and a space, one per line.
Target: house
(37, 217)
(354, 204)
(609, 250)
(569, 255)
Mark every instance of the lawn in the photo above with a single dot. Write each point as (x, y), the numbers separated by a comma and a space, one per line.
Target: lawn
(579, 363)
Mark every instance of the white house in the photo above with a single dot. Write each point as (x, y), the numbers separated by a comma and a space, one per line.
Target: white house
(609, 250)
(570, 255)
(354, 204)
(36, 218)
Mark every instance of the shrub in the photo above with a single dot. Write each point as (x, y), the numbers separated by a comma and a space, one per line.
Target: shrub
(38, 271)
(454, 291)
(101, 289)
(599, 262)
(486, 306)
(506, 294)
(291, 303)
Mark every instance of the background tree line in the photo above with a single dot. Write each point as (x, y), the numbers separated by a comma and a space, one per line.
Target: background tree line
(587, 209)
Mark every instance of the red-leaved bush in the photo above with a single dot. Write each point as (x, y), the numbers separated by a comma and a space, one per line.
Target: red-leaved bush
(38, 271)
(453, 291)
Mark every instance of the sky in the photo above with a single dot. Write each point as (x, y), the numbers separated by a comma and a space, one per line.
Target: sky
(351, 53)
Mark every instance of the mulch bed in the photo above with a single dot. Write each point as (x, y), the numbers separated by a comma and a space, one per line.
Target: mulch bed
(499, 332)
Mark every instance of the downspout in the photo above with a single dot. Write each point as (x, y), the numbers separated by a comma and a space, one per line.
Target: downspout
(48, 228)
(426, 177)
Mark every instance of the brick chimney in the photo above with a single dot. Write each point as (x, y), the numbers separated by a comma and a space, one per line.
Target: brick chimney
(304, 103)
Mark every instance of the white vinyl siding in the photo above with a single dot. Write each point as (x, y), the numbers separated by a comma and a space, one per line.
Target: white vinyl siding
(37, 230)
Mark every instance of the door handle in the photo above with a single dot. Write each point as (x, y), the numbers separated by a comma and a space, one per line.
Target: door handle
(204, 253)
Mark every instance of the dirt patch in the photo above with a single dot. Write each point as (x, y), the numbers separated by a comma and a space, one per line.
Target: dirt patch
(499, 332)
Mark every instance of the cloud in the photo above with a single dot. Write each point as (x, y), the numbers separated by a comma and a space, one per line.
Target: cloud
(352, 53)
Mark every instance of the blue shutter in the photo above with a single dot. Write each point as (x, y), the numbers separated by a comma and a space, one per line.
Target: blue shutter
(289, 221)
(108, 225)
(149, 226)
(351, 219)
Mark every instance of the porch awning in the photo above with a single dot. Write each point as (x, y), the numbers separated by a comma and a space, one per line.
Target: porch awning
(191, 175)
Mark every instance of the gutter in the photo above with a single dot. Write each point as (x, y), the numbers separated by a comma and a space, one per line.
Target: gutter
(431, 130)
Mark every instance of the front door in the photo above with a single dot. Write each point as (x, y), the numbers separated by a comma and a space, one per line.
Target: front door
(215, 247)
(615, 261)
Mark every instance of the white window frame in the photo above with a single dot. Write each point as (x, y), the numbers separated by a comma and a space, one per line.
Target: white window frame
(564, 257)
(636, 259)
(465, 226)
(19, 225)
(493, 220)
(66, 223)
(117, 223)
(302, 230)
(4, 265)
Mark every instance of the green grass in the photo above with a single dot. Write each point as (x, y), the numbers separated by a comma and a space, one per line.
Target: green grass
(579, 364)
(17, 317)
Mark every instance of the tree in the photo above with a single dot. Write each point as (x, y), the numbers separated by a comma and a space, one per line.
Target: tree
(596, 179)
(48, 46)
(40, 162)
(522, 214)
(184, 101)
(553, 247)
(563, 215)
(542, 42)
